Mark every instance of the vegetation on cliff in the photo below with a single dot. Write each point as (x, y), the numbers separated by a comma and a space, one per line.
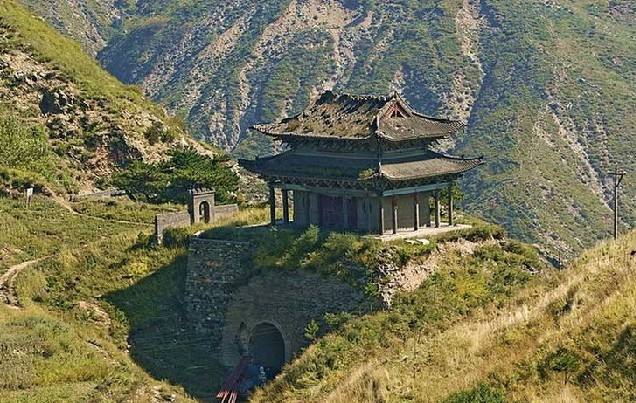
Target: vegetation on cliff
(114, 303)
(63, 344)
(27, 158)
(170, 180)
(102, 315)
(355, 259)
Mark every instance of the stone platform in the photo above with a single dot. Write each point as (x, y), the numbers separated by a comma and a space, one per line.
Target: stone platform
(422, 232)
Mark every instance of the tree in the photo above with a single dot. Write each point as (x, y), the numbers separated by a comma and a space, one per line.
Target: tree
(169, 181)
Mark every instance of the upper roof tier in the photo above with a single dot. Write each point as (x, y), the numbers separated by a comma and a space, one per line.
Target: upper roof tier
(351, 117)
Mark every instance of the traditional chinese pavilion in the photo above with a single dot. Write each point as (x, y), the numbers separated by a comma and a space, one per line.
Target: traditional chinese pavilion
(361, 163)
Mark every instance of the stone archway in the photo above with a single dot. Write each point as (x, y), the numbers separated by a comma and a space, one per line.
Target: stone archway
(267, 348)
(205, 212)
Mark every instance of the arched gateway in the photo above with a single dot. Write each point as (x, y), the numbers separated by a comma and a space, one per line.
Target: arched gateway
(205, 212)
(267, 348)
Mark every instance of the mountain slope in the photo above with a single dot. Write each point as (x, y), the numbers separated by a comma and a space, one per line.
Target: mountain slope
(560, 336)
(65, 123)
(547, 88)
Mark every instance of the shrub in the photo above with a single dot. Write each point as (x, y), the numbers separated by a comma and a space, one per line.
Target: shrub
(479, 232)
(301, 247)
(177, 237)
(155, 133)
(26, 158)
(311, 330)
(482, 393)
(562, 360)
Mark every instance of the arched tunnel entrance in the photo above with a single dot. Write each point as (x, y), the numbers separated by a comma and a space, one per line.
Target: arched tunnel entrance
(267, 348)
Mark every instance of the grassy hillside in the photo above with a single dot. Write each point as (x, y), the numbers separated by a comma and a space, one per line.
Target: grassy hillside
(546, 88)
(100, 317)
(483, 329)
(65, 349)
(66, 125)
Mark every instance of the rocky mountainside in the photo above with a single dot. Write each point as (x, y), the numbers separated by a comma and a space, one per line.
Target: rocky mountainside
(89, 123)
(546, 86)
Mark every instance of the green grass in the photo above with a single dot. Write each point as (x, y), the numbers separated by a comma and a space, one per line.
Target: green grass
(26, 157)
(110, 303)
(44, 228)
(68, 343)
(34, 35)
(45, 358)
(350, 257)
(141, 289)
(104, 319)
(124, 209)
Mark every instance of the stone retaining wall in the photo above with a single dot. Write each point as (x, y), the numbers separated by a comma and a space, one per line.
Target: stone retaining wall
(226, 298)
(187, 218)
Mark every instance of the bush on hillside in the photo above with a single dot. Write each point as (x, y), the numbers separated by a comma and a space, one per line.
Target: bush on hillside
(169, 181)
(26, 158)
(177, 237)
(562, 361)
(480, 394)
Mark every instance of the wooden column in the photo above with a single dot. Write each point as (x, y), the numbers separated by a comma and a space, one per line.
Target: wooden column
(272, 204)
(394, 221)
(300, 207)
(381, 217)
(451, 217)
(314, 209)
(368, 206)
(285, 193)
(426, 210)
(345, 213)
(416, 211)
(438, 210)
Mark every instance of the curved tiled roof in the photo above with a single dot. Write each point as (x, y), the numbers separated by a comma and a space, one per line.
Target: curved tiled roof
(427, 168)
(424, 166)
(360, 117)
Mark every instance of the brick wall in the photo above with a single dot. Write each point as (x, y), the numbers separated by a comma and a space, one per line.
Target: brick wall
(185, 219)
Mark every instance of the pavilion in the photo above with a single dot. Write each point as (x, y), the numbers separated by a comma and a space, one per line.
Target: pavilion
(362, 164)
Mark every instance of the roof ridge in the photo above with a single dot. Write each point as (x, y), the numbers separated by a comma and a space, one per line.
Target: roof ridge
(338, 94)
(456, 157)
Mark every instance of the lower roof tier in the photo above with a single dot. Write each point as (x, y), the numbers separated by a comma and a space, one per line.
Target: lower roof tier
(426, 166)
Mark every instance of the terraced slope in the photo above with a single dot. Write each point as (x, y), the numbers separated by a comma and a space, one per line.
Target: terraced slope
(547, 87)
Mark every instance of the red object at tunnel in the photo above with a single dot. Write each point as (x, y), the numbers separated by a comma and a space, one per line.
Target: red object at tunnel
(230, 390)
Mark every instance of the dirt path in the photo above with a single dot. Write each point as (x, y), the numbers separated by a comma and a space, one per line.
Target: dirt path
(68, 206)
(7, 282)
(92, 217)
(7, 279)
